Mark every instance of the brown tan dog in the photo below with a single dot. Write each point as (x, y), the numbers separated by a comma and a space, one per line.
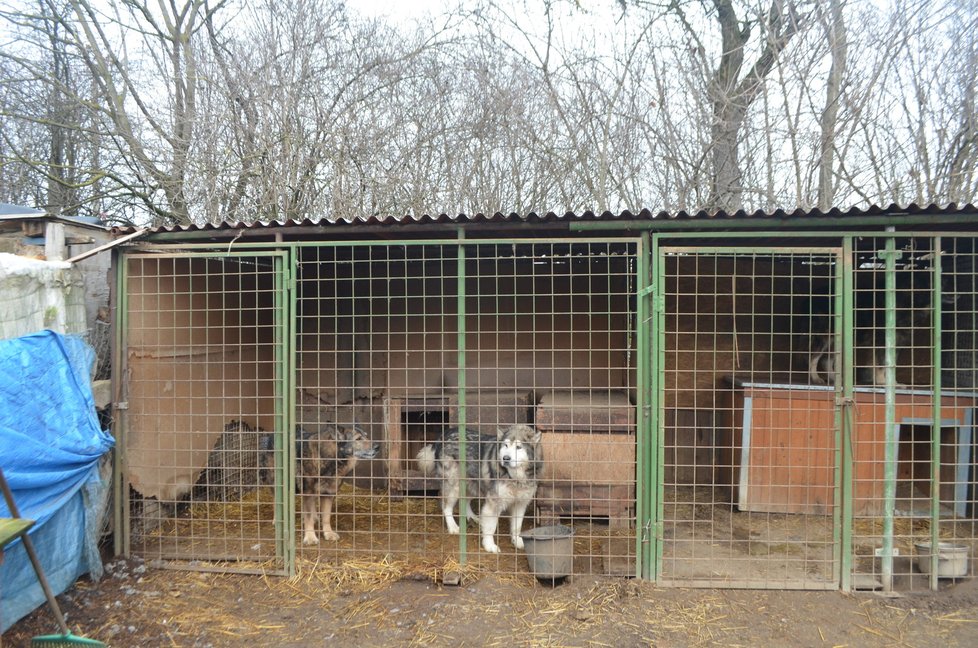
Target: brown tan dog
(325, 459)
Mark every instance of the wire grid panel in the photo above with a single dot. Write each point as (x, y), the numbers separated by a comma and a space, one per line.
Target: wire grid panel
(913, 429)
(543, 342)
(749, 429)
(203, 451)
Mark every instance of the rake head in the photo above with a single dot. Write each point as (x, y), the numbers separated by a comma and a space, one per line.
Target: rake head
(64, 641)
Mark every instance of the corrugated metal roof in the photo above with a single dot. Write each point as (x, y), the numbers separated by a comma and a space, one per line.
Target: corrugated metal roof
(552, 217)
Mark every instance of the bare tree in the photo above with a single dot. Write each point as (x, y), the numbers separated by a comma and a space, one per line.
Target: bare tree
(835, 32)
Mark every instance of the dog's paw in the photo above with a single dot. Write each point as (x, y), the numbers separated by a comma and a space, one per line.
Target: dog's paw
(518, 542)
(490, 546)
(310, 538)
(452, 527)
(331, 536)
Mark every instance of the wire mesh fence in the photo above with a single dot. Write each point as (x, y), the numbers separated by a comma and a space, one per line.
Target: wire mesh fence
(418, 345)
(204, 436)
(913, 412)
(757, 417)
(751, 493)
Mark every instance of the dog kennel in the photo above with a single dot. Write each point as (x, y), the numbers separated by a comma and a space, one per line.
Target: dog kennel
(743, 400)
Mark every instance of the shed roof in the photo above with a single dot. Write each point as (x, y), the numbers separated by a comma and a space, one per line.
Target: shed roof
(9, 210)
(644, 219)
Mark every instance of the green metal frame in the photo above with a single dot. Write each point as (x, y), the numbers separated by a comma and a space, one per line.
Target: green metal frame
(841, 496)
(889, 399)
(656, 455)
(647, 414)
(285, 532)
(845, 420)
(120, 491)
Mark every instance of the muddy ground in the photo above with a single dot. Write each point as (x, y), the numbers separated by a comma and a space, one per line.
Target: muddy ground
(385, 604)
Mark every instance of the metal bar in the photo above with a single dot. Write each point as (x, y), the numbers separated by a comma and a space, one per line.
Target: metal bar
(832, 231)
(644, 412)
(836, 234)
(749, 584)
(712, 249)
(769, 224)
(175, 242)
(463, 502)
(891, 439)
(655, 457)
(935, 446)
(120, 483)
(845, 322)
(289, 381)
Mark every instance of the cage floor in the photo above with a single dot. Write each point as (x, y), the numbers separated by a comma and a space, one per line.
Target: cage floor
(372, 526)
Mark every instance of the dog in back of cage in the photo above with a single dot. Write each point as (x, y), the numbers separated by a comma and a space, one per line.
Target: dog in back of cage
(913, 311)
(870, 358)
(325, 458)
(501, 471)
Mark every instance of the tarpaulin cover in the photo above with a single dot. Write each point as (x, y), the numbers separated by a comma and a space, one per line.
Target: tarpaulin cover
(50, 446)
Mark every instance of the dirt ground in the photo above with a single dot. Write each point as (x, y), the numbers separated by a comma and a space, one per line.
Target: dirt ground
(384, 604)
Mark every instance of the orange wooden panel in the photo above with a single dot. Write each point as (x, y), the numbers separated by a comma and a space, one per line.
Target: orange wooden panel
(791, 456)
(789, 466)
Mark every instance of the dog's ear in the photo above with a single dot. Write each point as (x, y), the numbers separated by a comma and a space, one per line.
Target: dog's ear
(500, 433)
(537, 435)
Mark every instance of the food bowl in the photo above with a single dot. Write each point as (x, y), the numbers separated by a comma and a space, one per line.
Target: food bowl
(952, 559)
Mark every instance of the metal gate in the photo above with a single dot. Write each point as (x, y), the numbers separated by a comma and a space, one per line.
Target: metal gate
(409, 341)
(203, 448)
(749, 429)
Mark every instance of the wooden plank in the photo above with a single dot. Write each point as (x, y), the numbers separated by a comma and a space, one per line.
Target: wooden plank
(564, 498)
(394, 441)
(13, 528)
(585, 410)
(589, 456)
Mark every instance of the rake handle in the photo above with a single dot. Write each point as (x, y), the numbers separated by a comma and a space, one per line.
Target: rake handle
(29, 548)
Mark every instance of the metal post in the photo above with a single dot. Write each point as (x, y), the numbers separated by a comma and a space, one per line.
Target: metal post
(463, 501)
(120, 483)
(655, 458)
(890, 448)
(935, 441)
(286, 455)
(843, 515)
(644, 411)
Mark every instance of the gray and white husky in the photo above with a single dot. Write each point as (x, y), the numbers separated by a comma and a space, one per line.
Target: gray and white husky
(501, 471)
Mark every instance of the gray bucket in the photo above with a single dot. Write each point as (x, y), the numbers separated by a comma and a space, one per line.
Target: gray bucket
(952, 559)
(549, 551)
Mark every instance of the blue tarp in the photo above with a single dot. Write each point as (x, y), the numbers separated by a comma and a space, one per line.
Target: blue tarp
(50, 446)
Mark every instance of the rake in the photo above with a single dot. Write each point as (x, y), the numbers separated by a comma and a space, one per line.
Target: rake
(18, 527)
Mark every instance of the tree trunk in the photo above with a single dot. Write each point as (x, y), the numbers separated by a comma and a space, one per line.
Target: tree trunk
(836, 34)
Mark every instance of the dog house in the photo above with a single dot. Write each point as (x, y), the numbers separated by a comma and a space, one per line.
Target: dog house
(589, 449)
(728, 400)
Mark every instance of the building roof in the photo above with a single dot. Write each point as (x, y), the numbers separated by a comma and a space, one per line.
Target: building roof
(8, 210)
(15, 213)
(644, 219)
